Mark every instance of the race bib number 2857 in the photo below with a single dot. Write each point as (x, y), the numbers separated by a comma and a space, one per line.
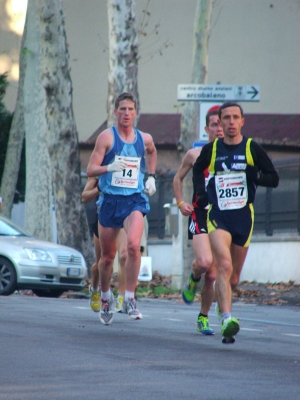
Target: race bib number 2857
(231, 190)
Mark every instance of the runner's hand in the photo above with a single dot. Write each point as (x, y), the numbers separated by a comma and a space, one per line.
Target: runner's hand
(186, 209)
(116, 166)
(150, 187)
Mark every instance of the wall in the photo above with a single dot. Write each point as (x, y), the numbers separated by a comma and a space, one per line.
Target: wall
(273, 259)
(269, 260)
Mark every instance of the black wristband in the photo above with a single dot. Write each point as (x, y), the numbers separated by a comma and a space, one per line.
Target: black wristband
(153, 175)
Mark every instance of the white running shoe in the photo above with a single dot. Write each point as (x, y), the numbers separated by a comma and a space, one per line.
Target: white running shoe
(132, 310)
(106, 312)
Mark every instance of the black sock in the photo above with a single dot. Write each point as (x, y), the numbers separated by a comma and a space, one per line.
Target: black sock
(193, 278)
(203, 315)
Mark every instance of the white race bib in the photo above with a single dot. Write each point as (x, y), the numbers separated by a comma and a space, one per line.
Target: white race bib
(129, 177)
(231, 189)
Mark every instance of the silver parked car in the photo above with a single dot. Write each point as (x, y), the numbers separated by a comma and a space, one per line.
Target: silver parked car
(48, 269)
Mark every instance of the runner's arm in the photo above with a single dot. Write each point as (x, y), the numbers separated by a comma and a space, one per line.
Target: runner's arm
(183, 170)
(200, 166)
(102, 145)
(90, 190)
(266, 174)
(151, 153)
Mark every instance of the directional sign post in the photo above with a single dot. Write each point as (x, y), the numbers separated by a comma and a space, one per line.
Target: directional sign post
(192, 92)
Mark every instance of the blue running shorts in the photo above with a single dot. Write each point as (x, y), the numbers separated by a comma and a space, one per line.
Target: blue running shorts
(115, 208)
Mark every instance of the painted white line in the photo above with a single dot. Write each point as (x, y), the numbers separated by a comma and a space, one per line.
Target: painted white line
(173, 319)
(291, 334)
(268, 322)
(249, 329)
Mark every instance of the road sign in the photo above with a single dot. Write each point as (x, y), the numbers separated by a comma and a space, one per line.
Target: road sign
(199, 144)
(194, 92)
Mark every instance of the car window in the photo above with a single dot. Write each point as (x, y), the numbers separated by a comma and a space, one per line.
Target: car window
(9, 229)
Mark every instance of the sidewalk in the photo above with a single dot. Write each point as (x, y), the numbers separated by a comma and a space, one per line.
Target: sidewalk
(268, 294)
(248, 292)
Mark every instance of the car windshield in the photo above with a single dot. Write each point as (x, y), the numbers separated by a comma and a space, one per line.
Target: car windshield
(8, 228)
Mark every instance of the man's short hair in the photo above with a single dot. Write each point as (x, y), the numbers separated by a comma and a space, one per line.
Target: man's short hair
(125, 96)
(230, 104)
(209, 114)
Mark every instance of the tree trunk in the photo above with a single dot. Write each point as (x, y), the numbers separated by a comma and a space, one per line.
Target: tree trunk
(38, 164)
(15, 141)
(123, 52)
(190, 115)
(62, 137)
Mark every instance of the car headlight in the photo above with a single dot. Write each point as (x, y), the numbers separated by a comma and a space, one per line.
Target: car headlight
(38, 255)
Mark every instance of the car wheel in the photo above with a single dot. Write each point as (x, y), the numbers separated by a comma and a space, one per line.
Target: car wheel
(48, 293)
(8, 277)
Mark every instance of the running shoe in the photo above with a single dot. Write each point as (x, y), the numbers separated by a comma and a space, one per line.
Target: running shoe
(119, 304)
(230, 327)
(95, 302)
(132, 310)
(218, 312)
(203, 326)
(228, 340)
(189, 293)
(106, 312)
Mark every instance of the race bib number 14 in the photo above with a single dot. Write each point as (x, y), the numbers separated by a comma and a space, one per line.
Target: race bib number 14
(231, 190)
(128, 177)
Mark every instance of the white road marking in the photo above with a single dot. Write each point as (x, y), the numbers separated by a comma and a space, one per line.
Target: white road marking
(173, 319)
(249, 329)
(291, 334)
(268, 322)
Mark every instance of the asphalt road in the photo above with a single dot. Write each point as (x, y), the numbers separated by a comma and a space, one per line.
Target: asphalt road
(58, 349)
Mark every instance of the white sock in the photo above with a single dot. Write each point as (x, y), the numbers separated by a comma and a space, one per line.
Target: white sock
(226, 315)
(94, 290)
(106, 295)
(128, 295)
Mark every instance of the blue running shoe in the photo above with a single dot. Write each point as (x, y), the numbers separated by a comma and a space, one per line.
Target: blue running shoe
(189, 293)
(203, 326)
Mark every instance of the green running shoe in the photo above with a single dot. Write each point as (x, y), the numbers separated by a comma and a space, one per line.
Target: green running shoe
(203, 326)
(228, 340)
(230, 327)
(189, 293)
